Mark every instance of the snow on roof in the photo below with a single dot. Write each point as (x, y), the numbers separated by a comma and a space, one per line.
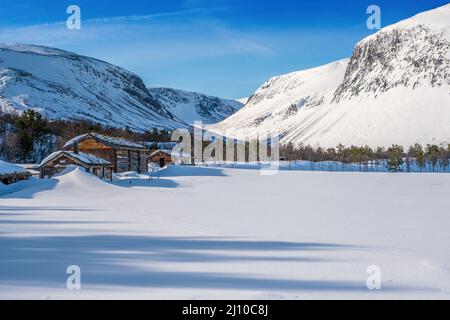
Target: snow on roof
(118, 142)
(158, 151)
(83, 157)
(160, 145)
(9, 168)
(172, 153)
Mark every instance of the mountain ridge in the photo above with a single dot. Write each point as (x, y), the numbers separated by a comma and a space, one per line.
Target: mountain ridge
(395, 89)
(193, 106)
(63, 85)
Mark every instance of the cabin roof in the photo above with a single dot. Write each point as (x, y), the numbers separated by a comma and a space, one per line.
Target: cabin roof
(110, 141)
(168, 152)
(160, 145)
(85, 158)
(7, 168)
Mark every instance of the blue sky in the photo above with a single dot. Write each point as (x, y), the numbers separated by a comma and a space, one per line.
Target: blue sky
(219, 47)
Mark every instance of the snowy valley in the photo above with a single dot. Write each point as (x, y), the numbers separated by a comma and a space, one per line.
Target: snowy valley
(139, 221)
(176, 238)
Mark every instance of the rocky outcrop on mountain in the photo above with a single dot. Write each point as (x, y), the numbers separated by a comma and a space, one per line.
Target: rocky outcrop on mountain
(401, 57)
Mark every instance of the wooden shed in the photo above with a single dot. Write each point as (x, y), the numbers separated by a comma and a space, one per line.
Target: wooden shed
(60, 160)
(160, 158)
(10, 173)
(124, 155)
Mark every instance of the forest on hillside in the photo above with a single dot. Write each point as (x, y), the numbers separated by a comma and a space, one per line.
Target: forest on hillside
(29, 137)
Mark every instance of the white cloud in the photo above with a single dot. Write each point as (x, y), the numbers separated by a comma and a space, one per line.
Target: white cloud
(174, 35)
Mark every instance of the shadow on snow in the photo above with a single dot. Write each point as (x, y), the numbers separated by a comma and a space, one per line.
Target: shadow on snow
(189, 171)
(130, 261)
(27, 189)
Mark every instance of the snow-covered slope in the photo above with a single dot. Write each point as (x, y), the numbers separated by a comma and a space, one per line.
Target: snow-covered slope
(280, 103)
(192, 106)
(243, 100)
(63, 85)
(394, 89)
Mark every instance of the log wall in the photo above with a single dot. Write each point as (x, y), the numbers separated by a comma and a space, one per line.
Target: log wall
(122, 159)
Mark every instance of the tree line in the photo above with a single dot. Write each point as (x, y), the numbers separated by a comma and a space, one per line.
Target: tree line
(394, 158)
(21, 133)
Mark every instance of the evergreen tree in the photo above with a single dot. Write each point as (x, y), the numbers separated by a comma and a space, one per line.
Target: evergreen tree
(433, 155)
(395, 160)
(417, 152)
(30, 126)
(444, 155)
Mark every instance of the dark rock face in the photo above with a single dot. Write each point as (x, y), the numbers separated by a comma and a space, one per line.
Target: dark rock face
(258, 121)
(398, 57)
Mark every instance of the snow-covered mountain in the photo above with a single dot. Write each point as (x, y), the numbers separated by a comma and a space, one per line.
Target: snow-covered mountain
(281, 101)
(394, 89)
(64, 85)
(192, 106)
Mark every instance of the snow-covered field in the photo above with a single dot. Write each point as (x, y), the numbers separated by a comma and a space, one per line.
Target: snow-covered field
(204, 233)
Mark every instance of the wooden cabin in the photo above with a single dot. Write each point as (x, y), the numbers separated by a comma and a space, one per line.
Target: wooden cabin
(160, 158)
(124, 155)
(60, 160)
(11, 173)
(166, 146)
